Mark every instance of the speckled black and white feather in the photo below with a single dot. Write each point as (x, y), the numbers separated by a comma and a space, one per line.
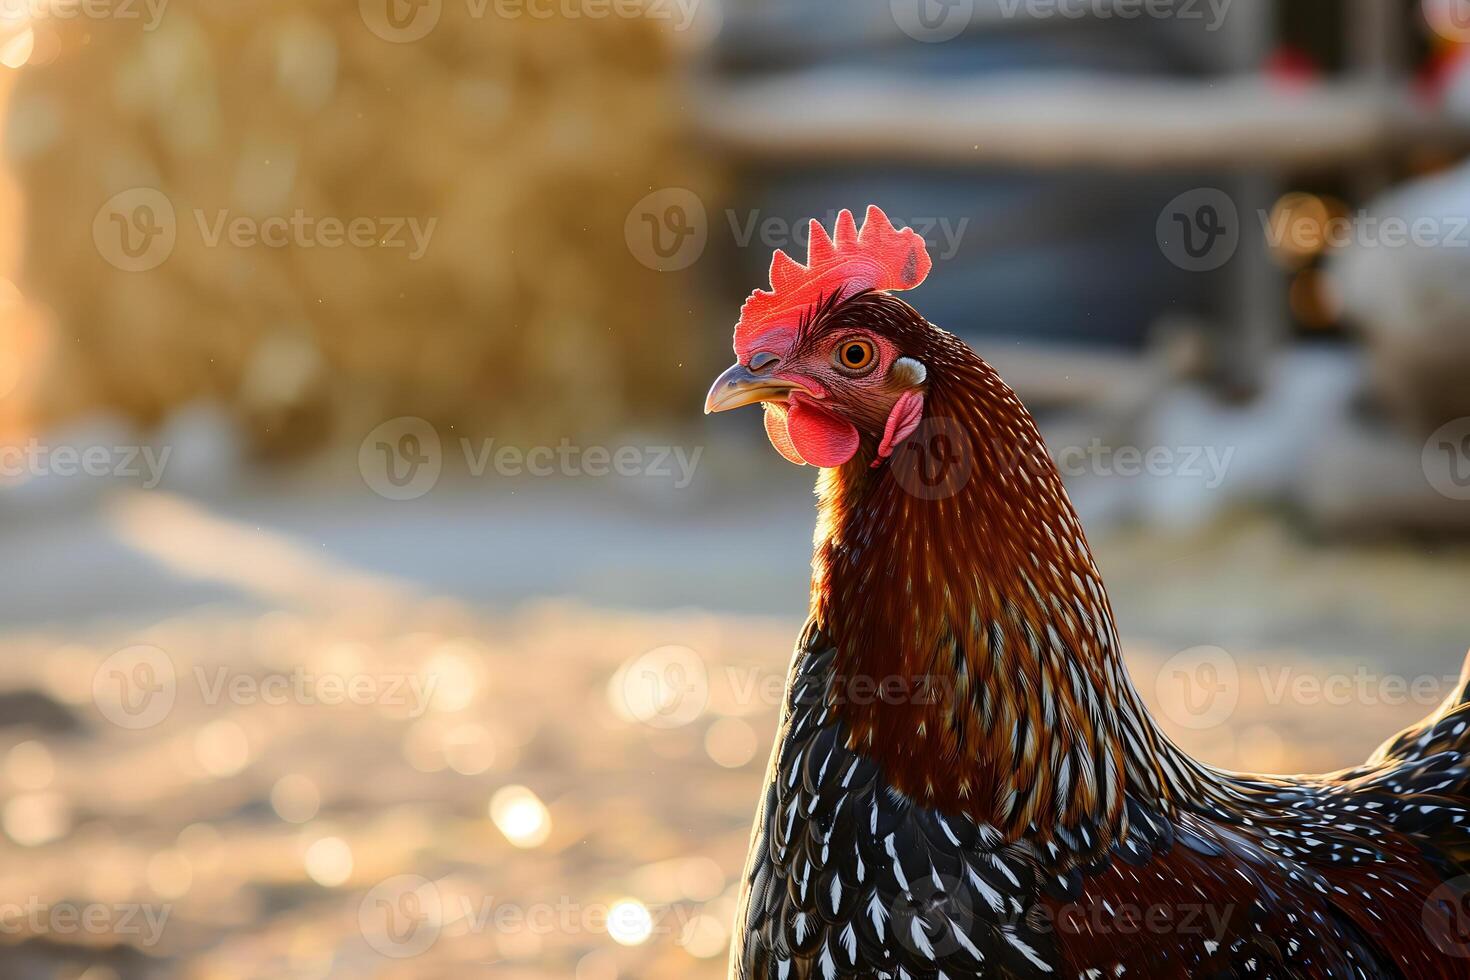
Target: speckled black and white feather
(848, 878)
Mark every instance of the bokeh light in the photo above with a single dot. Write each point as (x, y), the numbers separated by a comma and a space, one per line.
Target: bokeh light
(222, 748)
(29, 766)
(705, 936)
(295, 798)
(328, 861)
(521, 816)
(731, 742)
(31, 819)
(629, 922)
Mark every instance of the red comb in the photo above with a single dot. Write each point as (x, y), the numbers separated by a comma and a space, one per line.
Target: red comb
(880, 257)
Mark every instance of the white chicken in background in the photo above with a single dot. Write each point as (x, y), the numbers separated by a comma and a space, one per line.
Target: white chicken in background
(1407, 287)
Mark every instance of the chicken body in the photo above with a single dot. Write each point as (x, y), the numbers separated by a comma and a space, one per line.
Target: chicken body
(966, 783)
(1356, 876)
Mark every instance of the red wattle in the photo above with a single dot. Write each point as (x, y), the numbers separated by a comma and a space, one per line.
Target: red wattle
(818, 436)
(778, 433)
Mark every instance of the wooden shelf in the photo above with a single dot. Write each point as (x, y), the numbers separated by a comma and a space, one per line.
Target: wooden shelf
(1059, 119)
(1064, 374)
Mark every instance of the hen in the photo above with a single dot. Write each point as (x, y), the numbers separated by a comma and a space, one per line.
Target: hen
(965, 782)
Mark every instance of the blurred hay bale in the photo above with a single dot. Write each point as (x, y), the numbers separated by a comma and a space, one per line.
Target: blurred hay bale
(24, 337)
(516, 145)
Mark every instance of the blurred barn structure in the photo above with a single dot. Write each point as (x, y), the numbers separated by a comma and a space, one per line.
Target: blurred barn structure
(1051, 150)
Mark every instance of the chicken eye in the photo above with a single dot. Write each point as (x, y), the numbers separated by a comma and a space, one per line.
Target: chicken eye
(855, 355)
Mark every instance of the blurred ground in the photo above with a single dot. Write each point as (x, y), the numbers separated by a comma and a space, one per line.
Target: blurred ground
(229, 820)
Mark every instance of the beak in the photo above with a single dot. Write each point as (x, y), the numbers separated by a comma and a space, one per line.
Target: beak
(740, 386)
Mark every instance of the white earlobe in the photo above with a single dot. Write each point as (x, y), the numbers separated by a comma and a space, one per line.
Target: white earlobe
(908, 372)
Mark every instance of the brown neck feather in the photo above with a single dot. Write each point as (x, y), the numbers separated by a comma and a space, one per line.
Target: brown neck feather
(978, 659)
